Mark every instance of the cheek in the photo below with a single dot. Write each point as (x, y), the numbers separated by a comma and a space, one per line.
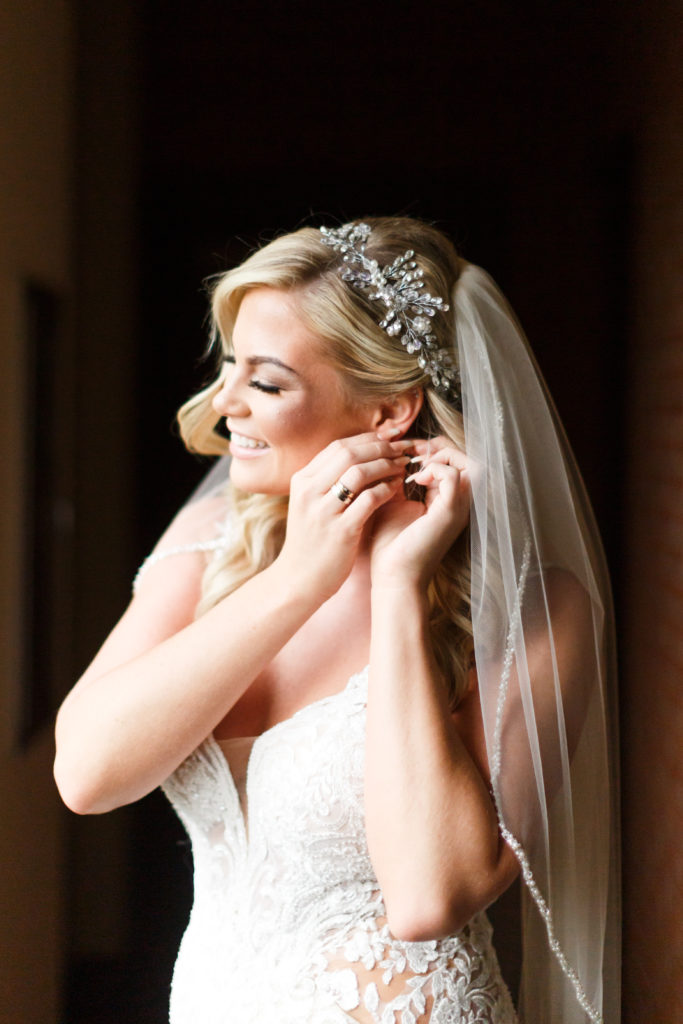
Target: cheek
(303, 428)
(289, 426)
(299, 420)
(294, 432)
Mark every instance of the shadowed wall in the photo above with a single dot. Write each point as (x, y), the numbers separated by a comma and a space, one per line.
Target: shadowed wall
(652, 655)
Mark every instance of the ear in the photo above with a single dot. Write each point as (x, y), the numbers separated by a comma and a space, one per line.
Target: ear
(395, 417)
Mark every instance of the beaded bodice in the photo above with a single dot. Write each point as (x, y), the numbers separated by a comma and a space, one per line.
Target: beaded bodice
(288, 924)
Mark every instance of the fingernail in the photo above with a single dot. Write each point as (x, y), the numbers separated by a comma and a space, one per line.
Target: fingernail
(417, 458)
(393, 432)
(409, 479)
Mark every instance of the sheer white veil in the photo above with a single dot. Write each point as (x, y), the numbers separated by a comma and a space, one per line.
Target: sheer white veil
(543, 635)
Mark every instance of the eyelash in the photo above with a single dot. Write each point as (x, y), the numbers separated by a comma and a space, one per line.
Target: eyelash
(268, 389)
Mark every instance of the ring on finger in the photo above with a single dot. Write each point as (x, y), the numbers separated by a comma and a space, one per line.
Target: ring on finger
(342, 492)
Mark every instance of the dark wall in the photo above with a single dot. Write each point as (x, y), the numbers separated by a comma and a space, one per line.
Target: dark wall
(500, 121)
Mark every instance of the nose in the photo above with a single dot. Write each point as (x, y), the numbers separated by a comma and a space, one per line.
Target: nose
(228, 400)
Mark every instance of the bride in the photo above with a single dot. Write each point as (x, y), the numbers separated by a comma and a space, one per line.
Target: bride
(369, 662)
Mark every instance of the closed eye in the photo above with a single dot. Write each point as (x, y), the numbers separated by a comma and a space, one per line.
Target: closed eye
(270, 389)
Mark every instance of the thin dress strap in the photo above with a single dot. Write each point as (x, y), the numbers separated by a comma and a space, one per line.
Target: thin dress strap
(180, 549)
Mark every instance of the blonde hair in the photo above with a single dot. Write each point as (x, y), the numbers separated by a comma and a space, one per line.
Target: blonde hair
(374, 366)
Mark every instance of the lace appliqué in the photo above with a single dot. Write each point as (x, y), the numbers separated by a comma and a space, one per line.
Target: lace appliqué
(288, 924)
(452, 981)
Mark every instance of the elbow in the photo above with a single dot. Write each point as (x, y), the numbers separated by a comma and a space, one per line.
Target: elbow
(82, 778)
(75, 791)
(83, 790)
(92, 784)
(425, 921)
(72, 797)
(446, 911)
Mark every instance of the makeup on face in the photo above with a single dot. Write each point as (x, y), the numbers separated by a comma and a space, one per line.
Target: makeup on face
(281, 401)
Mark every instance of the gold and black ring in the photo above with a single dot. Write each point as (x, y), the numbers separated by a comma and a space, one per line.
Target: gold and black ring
(344, 493)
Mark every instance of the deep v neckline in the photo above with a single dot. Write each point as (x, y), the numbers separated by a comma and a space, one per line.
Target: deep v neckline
(214, 745)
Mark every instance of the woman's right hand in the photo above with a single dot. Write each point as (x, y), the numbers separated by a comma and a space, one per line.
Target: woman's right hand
(323, 532)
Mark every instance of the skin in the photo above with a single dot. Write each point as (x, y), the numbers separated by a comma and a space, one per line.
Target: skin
(275, 394)
(349, 586)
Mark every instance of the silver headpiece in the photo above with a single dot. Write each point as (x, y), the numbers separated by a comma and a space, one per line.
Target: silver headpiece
(410, 307)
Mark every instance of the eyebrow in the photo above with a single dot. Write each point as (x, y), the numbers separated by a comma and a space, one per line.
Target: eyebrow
(259, 360)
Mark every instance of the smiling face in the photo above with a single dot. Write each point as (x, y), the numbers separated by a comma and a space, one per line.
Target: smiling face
(282, 402)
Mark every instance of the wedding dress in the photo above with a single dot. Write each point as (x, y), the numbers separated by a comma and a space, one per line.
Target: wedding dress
(288, 924)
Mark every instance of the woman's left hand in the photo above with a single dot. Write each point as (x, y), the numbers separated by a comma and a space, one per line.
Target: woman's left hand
(410, 538)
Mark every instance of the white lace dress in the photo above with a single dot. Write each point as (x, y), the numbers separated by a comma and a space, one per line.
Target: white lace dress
(288, 924)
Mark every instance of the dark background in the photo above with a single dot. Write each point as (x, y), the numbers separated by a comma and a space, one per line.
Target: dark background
(513, 126)
(506, 123)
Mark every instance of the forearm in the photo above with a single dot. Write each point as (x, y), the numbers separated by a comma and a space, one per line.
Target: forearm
(121, 733)
(431, 825)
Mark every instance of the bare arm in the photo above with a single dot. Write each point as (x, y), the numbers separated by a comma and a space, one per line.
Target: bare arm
(431, 824)
(162, 681)
(432, 828)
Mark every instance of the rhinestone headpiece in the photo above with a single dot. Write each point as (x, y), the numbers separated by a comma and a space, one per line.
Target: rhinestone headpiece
(410, 307)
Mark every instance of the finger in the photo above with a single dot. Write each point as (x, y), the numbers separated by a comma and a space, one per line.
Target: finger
(428, 446)
(424, 475)
(368, 501)
(450, 492)
(360, 476)
(356, 476)
(448, 455)
(449, 479)
(341, 454)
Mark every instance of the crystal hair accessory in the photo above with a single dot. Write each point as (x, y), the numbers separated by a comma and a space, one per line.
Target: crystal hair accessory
(410, 307)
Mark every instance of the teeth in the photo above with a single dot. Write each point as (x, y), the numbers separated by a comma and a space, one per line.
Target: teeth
(246, 442)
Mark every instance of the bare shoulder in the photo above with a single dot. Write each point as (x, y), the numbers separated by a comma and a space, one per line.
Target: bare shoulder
(168, 592)
(198, 521)
(171, 587)
(197, 530)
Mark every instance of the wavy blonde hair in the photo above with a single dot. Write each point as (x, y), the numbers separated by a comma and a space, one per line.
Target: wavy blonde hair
(374, 367)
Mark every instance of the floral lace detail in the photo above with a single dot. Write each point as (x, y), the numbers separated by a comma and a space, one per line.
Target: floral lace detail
(288, 924)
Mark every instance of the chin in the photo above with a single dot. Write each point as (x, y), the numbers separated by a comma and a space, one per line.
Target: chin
(250, 483)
